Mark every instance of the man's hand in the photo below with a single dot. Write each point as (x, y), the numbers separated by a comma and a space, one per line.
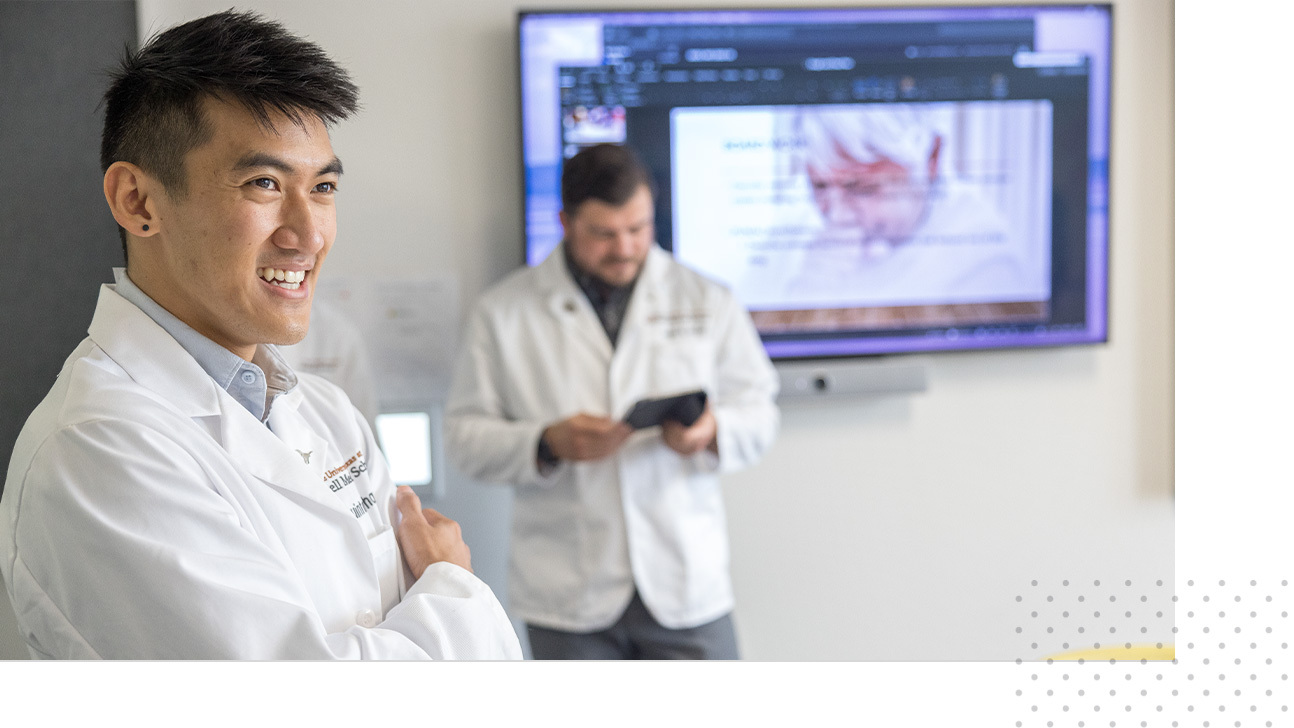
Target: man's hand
(426, 537)
(691, 440)
(586, 437)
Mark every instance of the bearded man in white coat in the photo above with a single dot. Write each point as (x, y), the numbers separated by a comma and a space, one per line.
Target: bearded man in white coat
(619, 541)
(181, 492)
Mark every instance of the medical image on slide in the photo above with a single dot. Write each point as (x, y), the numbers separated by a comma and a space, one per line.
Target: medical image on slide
(869, 216)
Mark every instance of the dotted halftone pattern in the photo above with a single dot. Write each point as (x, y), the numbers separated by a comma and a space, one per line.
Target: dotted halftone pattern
(1232, 648)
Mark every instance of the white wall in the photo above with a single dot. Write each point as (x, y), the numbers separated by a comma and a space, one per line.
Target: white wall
(885, 528)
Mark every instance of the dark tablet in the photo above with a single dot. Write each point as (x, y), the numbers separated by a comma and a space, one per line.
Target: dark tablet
(685, 409)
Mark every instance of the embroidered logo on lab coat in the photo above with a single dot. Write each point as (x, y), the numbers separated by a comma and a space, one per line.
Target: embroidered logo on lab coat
(341, 479)
(680, 323)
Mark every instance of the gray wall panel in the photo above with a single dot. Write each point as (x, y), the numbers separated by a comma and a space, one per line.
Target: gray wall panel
(57, 239)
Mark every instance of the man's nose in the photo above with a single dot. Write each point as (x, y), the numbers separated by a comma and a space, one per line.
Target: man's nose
(624, 244)
(303, 225)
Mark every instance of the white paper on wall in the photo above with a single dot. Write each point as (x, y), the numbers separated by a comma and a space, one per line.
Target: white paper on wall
(411, 329)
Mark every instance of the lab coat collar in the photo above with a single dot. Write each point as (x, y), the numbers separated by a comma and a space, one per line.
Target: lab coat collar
(155, 360)
(551, 274)
(152, 357)
(568, 304)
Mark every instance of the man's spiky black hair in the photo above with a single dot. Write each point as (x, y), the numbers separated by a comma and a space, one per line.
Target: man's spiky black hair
(153, 108)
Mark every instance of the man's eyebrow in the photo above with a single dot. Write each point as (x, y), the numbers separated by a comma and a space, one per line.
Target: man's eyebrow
(333, 167)
(255, 160)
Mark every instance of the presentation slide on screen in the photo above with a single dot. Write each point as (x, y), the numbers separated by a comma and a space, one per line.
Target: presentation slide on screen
(866, 205)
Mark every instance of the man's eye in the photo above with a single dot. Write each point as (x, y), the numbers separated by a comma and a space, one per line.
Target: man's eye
(264, 183)
(328, 187)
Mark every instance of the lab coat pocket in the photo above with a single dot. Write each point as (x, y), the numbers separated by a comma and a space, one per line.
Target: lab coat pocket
(386, 562)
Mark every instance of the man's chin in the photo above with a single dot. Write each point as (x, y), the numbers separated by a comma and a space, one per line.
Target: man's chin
(289, 335)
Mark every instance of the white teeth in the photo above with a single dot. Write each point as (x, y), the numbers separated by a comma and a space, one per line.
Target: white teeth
(289, 279)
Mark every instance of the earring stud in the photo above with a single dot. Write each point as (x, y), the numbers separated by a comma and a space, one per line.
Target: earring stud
(145, 228)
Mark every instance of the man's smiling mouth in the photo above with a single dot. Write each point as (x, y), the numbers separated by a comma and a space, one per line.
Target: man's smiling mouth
(289, 279)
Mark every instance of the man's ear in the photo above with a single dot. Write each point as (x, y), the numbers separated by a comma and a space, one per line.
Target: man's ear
(566, 224)
(130, 193)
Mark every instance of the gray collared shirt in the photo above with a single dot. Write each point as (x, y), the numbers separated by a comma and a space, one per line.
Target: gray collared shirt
(253, 384)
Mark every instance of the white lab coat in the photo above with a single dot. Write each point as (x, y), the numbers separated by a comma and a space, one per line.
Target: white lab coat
(146, 514)
(586, 533)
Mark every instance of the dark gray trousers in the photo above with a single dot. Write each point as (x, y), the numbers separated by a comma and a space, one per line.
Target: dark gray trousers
(637, 636)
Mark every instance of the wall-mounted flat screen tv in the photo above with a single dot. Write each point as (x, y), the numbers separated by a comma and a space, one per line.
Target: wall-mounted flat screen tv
(866, 180)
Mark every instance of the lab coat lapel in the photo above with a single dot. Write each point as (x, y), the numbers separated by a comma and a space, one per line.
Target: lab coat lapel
(570, 307)
(291, 428)
(275, 457)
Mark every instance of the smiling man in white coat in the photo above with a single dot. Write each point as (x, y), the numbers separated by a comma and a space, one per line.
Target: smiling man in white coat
(181, 492)
(619, 540)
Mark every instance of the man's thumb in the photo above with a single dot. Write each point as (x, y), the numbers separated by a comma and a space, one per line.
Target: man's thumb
(407, 502)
